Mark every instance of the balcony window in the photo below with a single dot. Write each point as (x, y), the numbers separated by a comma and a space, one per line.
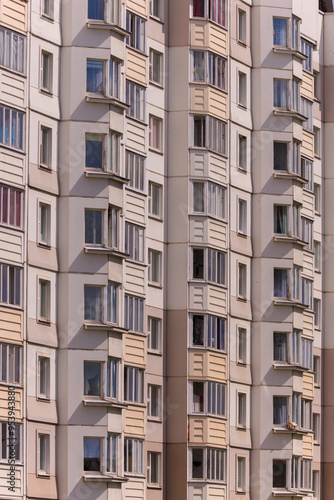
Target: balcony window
(11, 363)
(11, 206)
(12, 50)
(135, 98)
(210, 9)
(208, 464)
(94, 151)
(280, 410)
(281, 283)
(209, 397)
(306, 353)
(295, 33)
(92, 454)
(307, 173)
(209, 68)
(280, 93)
(210, 133)
(93, 303)
(307, 232)
(134, 241)
(307, 50)
(135, 170)
(10, 285)
(93, 226)
(12, 433)
(209, 264)
(114, 214)
(280, 347)
(112, 442)
(280, 219)
(11, 128)
(209, 198)
(306, 108)
(133, 456)
(137, 27)
(280, 156)
(112, 378)
(134, 313)
(96, 9)
(92, 379)
(209, 331)
(280, 31)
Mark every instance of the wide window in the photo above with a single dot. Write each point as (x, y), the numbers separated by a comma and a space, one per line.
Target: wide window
(135, 98)
(10, 281)
(10, 368)
(92, 454)
(209, 264)
(281, 283)
(307, 50)
(92, 379)
(280, 347)
(133, 456)
(280, 31)
(210, 133)
(93, 303)
(136, 26)
(208, 464)
(11, 128)
(134, 241)
(135, 170)
(211, 9)
(11, 435)
(209, 198)
(209, 68)
(134, 313)
(280, 410)
(11, 206)
(12, 50)
(209, 397)
(209, 331)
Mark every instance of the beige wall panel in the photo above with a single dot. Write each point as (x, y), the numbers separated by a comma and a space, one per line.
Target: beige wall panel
(216, 432)
(135, 278)
(308, 265)
(135, 350)
(216, 493)
(198, 163)
(11, 324)
(308, 385)
(114, 492)
(197, 34)
(217, 234)
(218, 170)
(307, 86)
(217, 39)
(197, 297)
(204, 34)
(13, 13)
(38, 487)
(138, 6)
(298, 194)
(11, 166)
(12, 89)
(197, 364)
(308, 324)
(196, 430)
(136, 66)
(308, 205)
(11, 243)
(218, 104)
(135, 208)
(216, 367)
(4, 403)
(307, 148)
(196, 492)
(217, 300)
(308, 446)
(135, 421)
(197, 230)
(4, 491)
(135, 136)
(198, 99)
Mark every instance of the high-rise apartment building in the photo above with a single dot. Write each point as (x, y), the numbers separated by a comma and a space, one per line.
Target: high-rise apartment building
(166, 249)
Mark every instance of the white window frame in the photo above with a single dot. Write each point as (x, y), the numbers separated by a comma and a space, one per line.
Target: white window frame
(100, 456)
(208, 67)
(282, 418)
(156, 331)
(43, 440)
(212, 198)
(112, 453)
(155, 141)
(7, 58)
(98, 363)
(210, 458)
(306, 48)
(241, 345)
(134, 321)
(137, 459)
(135, 170)
(153, 455)
(43, 376)
(213, 332)
(277, 347)
(209, 12)
(46, 73)
(110, 85)
(47, 12)
(100, 312)
(316, 427)
(307, 292)
(9, 196)
(242, 216)
(154, 392)
(45, 147)
(133, 384)
(8, 428)
(44, 224)
(214, 265)
(137, 38)
(242, 281)
(114, 227)
(218, 394)
(280, 93)
(240, 474)
(212, 132)
(13, 288)
(241, 410)
(242, 26)
(317, 141)
(317, 198)
(154, 267)
(13, 355)
(113, 379)
(155, 204)
(135, 98)
(44, 310)
(155, 58)
(242, 89)
(317, 370)
(16, 140)
(155, 9)
(135, 241)
(242, 152)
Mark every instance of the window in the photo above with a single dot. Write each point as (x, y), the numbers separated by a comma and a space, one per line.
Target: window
(242, 89)
(154, 267)
(209, 331)
(295, 95)
(135, 98)
(43, 454)
(112, 302)
(209, 133)
(317, 143)
(211, 9)
(111, 453)
(241, 410)
(295, 473)
(209, 264)
(96, 9)
(11, 362)
(242, 26)
(45, 157)
(307, 292)
(307, 50)
(279, 473)
(209, 397)
(280, 156)
(155, 67)
(294, 33)
(280, 31)
(10, 281)
(296, 164)
(296, 283)
(133, 384)
(114, 70)
(136, 26)
(317, 198)
(316, 484)
(307, 110)
(154, 337)
(103, 77)
(11, 128)
(241, 474)
(134, 241)
(153, 467)
(112, 378)
(242, 216)
(281, 283)
(307, 232)
(92, 454)
(93, 226)
(133, 456)
(93, 303)
(317, 255)
(94, 151)
(135, 168)
(155, 199)
(11, 206)
(242, 281)
(92, 379)
(114, 214)
(102, 155)
(108, 11)
(280, 347)
(12, 50)
(95, 77)
(46, 71)
(154, 401)
(155, 8)
(280, 219)
(280, 410)
(306, 353)
(241, 345)
(306, 474)
(209, 68)
(209, 198)
(12, 434)
(113, 164)
(47, 9)
(208, 464)
(280, 93)
(316, 369)
(296, 220)
(306, 414)
(295, 355)
(316, 427)
(307, 173)
(44, 300)
(155, 133)
(134, 313)
(242, 152)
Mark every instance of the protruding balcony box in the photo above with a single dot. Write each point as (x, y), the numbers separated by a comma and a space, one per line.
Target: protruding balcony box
(209, 298)
(204, 163)
(205, 99)
(207, 431)
(13, 13)
(207, 35)
(206, 230)
(207, 364)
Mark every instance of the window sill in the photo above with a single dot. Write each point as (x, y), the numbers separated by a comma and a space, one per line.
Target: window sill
(137, 405)
(105, 251)
(289, 303)
(289, 366)
(45, 168)
(157, 19)
(155, 217)
(101, 174)
(49, 19)
(293, 430)
(242, 299)
(154, 487)
(242, 106)
(45, 322)
(242, 429)
(289, 239)
(102, 25)
(283, 174)
(242, 235)
(102, 99)
(43, 399)
(133, 261)
(155, 285)
(154, 352)
(46, 92)
(103, 403)
(156, 150)
(208, 150)
(43, 475)
(290, 114)
(209, 85)
(137, 120)
(154, 420)
(201, 281)
(46, 246)
(207, 216)
(286, 493)
(242, 170)
(156, 84)
(210, 349)
(242, 44)
(138, 51)
(287, 50)
(102, 478)
(104, 327)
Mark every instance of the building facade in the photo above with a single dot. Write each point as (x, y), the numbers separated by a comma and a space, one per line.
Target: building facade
(166, 249)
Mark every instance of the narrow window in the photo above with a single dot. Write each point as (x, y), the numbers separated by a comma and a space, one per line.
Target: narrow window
(155, 133)
(92, 454)
(43, 454)
(43, 377)
(281, 283)
(242, 156)
(280, 219)
(242, 216)
(155, 67)
(280, 346)
(46, 71)
(280, 410)
(242, 26)
(112, 378)
(92, 379)
(241, 410)
(280, 156)
(45, 147)
(153, 467)
(93, 303)
(155, 199)
(155, 267)
(94, 151)
(241, 345)
(242, 89)
(280, 31)
(93, 226)
(154, 338)
(241, 474)
(44, 300)
(242, 281)
(154, 401)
